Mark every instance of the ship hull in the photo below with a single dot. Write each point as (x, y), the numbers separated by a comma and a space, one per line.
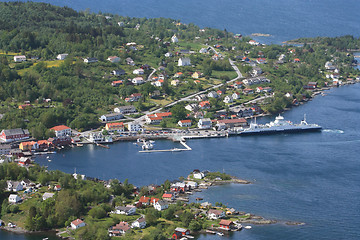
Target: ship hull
(279, 131)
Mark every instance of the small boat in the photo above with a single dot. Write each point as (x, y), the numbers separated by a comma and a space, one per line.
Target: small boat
(220, 233)
(45, 238)
(248, 227)
(79, 145)
(47, 157)
(49, 160)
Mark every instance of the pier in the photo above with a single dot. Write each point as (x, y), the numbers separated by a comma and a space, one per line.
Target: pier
(187, 148)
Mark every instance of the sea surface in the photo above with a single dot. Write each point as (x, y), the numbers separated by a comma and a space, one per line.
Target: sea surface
(283, 19)
(307, 177)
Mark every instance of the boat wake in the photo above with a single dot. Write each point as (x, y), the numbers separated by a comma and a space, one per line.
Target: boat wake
(333, 131)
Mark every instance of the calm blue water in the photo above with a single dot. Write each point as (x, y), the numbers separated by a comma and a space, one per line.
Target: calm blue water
(283, 19)
(310, 177)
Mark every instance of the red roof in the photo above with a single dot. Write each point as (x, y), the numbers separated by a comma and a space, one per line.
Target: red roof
(77, 222)
(236, 120)
(155, 118)
(225, 222)
(185, 121)
(117, 124)
(154, 199)
(164, 114)
(59, 128)
(167, 195)
(144, 199)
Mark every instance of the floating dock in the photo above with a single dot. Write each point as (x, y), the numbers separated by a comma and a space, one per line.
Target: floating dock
(187, 148)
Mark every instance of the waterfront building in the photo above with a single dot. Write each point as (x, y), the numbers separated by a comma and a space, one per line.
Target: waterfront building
(10, 135)
(5, 149)
(204, 123)
(226, 224)
(61, 131)
(28, 146)
(134, 127)
(112, 127)
(215, 214)
(184, 123)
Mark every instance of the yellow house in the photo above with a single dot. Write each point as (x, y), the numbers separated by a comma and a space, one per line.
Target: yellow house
(112, 127)
(196, 75)
(28, 146)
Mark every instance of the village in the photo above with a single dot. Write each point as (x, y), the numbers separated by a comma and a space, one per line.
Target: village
(211, 219)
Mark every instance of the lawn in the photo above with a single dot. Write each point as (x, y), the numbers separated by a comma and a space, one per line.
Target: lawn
(218, 74)
(49, 64)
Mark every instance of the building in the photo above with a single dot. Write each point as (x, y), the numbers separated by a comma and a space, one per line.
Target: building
(129, 61)
(134, 127)
(62, 56)
(14, 186)
(5, 149)
(139, 223)
(231, 123)
(137, 80)
(21, 58)
(213, 94)
(184, 61)
(204, 123)
(90, 60)
(78, 223)
(144, 200)
(183, 231)
(111, 117)
(13, 198)
(119, 229)
(28, 146)
(47, 195)
(228, 99)
(10, 135)
(118, 72)
(61, 131)
(174, 39)
(153, 119)
(117, 126)
(113, 59)
(116, 83)
(168, 196)
(125, 109)
(138, 71)
(161, 205)
(215, 214)
(226, 224)
(184, 123)
(128, 210)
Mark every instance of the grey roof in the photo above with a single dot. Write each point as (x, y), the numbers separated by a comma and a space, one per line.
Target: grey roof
(5, 146)
(162, 203)
(141, 220)
(126, 107)
(112, 114)
(123, 208)
(16, 131)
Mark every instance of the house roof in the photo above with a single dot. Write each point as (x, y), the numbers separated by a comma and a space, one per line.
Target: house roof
(167, 195)
(116, 124)
(155, 118)
(214, 211)
(60, 128)
(77, 222)
(225, 222)
(16, 131)
(182, 230)
(122, 226)
(141, 220)
(185, 121)
(164, 114)
(144, 199)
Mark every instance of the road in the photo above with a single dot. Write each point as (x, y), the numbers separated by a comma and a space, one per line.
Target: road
(187, 98)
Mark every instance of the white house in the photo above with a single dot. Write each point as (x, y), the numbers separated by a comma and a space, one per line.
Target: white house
(61, 131)
(236, 95)
(161, 205)
(215, 214)
(21, 58)
(111, 117)
(128, 210)
(254, 43)
(77, 224)
(14, 186)
(13, 198)
(212, 94)
(121, 24)
(168, 54)
(62, 56)
(192, 184)
(204, 123)
(228, 99)
(203, 50)
(138, 71)
(47, 195)
(198, 175)
(137, 80)
(139, 223)
(175, 82)
(125, 109)
(174, 39)
(184, 61)
(184, 123)
(113, 59)
(90, 60)
(134, 127)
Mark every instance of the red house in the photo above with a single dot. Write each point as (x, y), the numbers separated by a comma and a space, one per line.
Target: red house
(168, 196)
(144, 200)
(10, 135)
(182, 231)
(226, 224)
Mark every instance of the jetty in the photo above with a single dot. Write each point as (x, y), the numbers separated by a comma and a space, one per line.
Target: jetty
(101, 145)
(187, 148)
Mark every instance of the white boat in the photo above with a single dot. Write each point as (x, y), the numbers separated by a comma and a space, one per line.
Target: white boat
(248, 227)
(220, 233)
(47, 157)
(280, 125)
(147, 146)
(49, 160)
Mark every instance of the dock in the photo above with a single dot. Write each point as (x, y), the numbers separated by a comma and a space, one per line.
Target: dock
(187, 148)
(101, 145)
